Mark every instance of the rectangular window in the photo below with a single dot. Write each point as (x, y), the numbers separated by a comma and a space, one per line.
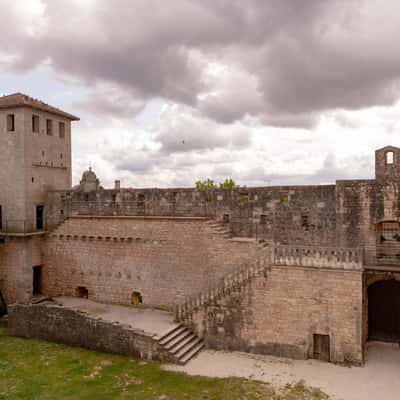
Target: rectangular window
(49, 127)
(389, 157)
(35, 123)
(304, 221)
(10, 123)
(39, 218)
(61, 130)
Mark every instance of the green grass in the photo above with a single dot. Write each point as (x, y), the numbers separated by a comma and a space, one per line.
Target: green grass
(34, 369)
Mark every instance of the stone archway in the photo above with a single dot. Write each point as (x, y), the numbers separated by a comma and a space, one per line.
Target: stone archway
(384, 311)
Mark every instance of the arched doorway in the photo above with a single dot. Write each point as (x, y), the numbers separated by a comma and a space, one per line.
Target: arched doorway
(384, 311)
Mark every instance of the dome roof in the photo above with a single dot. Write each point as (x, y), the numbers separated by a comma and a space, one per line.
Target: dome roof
(89, 176)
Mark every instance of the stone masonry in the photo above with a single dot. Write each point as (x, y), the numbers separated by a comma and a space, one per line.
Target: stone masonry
(297, 271)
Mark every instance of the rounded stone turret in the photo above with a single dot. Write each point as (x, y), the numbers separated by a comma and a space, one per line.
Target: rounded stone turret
(89, 181)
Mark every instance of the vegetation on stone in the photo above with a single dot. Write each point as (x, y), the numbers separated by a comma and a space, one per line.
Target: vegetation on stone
(210, 184)
(33, 369)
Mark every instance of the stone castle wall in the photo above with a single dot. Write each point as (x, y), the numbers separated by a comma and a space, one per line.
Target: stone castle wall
(289, 215)
(279, 313)
(18, 255)
(165, 259)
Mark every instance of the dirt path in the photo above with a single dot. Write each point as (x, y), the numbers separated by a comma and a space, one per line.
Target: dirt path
(379, 379)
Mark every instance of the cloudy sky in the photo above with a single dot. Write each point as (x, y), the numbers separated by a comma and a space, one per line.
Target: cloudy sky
(262, 91)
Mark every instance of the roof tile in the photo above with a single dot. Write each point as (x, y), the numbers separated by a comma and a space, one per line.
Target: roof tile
(22, 100)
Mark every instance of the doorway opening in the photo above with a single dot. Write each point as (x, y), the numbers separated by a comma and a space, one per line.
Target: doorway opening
(384, 311)
(137, 298)
(322, 347)
(82, 292)
(39, 218)
(37, 280)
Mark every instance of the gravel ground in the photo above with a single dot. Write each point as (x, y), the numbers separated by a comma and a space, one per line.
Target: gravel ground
(379, 379)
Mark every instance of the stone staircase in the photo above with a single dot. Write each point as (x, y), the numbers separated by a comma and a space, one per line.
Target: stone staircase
(221, 228)
(226, 285)
(181, 343)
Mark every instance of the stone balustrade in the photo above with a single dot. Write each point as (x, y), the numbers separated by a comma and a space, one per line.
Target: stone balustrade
(224, 287)
(318, 257)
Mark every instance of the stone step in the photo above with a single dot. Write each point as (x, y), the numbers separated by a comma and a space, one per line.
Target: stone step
(188, 348)
(188, 356)
(169, 331)
(179, 346)
(178, 339)
(171, 335)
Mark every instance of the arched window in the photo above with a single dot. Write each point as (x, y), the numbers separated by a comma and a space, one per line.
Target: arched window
(389, 157)
(390, 230)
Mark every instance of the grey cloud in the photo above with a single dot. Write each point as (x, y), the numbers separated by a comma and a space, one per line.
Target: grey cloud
(132, 164)
(356, 168)
(180, 130)
(295, 59)
(112, 104)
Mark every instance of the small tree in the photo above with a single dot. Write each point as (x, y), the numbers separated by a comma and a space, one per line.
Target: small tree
(227, 184)
(210, 184)
(207, 184)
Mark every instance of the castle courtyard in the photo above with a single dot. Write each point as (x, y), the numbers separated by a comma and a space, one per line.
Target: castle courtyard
(377, 379)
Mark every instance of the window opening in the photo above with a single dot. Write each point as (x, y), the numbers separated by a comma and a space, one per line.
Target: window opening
(39, 218)
(35, 123)
(82, 292)
(61, 130)
(49, 127)
(37, 280)
(390, 231)
(389, 157)
(137, 298)
(10, 123)
(304, 221)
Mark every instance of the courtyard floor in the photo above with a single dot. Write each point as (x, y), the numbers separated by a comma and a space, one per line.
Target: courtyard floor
(155, 322)
(379, 379)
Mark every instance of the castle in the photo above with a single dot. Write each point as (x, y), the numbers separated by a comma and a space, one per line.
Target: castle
(295, 271)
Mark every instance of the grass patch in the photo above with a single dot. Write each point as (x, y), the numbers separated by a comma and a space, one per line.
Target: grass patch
(39, 370)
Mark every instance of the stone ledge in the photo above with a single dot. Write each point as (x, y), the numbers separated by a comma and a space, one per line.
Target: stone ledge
(140, 217)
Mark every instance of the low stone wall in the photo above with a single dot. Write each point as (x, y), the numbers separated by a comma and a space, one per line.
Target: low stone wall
(56, 323)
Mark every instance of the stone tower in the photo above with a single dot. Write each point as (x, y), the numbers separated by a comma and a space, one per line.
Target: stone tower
(387, 163)
(35, 139)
